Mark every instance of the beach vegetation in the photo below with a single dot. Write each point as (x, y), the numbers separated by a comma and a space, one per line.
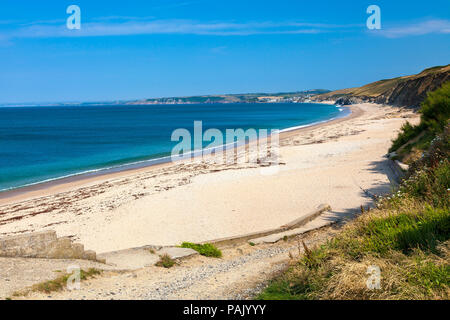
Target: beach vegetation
(207, 249)
(58, 284)
(165, 261)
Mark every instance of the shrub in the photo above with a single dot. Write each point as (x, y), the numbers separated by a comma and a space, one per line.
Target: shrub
(435, 109)
(438, 150)
(435, 114)
(407, 132)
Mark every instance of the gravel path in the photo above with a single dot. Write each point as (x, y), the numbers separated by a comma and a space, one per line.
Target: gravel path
(240, 274)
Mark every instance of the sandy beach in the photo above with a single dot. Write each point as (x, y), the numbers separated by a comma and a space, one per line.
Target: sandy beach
(341, 163)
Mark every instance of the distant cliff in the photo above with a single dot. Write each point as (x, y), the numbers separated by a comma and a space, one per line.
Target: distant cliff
(407, 91)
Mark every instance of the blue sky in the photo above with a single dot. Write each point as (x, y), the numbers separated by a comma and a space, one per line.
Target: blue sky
(155, 48)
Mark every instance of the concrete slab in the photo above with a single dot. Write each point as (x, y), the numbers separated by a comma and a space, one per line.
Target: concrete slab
(259, 234)
(130, 259)
(326, 219)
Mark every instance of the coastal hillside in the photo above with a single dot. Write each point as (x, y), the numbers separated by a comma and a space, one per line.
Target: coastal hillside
(404, 243)
(298, 96)
(407, 91)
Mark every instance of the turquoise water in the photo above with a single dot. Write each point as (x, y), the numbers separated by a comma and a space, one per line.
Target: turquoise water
(43, 143)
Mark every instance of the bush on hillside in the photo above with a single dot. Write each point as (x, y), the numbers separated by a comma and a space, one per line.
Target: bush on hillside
(435, 114)
(435, 109)
(407, 132)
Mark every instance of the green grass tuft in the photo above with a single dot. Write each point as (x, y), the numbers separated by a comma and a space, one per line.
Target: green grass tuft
(207, 249)
(165, 261)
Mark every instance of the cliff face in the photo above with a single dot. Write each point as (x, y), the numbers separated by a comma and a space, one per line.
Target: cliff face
(413, 92)
(407, 91)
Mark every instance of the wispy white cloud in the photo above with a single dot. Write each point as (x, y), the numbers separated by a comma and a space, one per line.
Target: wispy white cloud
(435, 26)
(126, 25)
(123, 26)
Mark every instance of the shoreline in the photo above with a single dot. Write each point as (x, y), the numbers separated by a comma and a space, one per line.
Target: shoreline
(200, 200)
(63, 184)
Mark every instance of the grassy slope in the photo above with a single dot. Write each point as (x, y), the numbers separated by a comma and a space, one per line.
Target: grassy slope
(407, 236)
(381, 87)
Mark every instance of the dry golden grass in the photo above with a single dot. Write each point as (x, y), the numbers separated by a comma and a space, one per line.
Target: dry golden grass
(57, 284)
(350, 281)
(338, 269)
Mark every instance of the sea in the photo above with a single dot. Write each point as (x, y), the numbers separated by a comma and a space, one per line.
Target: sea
(45, 143)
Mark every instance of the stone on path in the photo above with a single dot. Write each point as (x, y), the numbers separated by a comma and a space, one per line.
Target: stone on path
(177, 253)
